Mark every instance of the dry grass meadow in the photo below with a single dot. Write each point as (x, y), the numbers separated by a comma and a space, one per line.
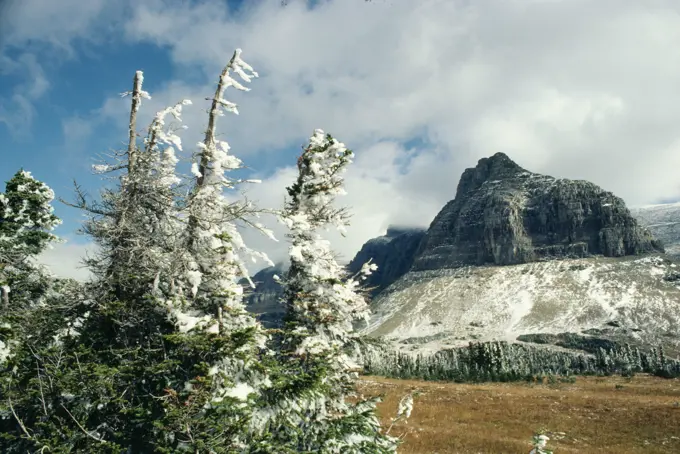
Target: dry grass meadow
(593, 415)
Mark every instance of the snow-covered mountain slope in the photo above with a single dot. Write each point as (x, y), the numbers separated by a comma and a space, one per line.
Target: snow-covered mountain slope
(435, 309)
(664, 223)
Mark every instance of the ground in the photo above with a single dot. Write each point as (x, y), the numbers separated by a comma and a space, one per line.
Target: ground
(609, 414)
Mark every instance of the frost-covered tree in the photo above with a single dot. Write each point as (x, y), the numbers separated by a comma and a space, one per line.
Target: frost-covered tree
(136, 223)
(84, 388)
(214, 405)
(26, 221)
(311, 398)
(136, 370)
(540, 443)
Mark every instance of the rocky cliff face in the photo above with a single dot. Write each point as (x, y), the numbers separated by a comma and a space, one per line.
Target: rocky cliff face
(393, 253)
(505, 215)
(663, 221)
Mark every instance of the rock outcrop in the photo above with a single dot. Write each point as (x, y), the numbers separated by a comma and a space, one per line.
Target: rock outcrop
(504, 215)
(393, 253)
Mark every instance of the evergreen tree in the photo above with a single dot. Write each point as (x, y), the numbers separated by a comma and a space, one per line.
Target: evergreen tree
(220, 394)
(26, 221)
(310, 399)
(136, 224)
(153, 360)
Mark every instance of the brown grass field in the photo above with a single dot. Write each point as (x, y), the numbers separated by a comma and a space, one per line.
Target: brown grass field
(595, 415)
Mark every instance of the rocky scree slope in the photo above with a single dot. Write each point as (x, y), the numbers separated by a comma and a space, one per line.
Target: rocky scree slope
(518, 253)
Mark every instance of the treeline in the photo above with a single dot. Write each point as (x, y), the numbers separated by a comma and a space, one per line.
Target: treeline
(504, 362)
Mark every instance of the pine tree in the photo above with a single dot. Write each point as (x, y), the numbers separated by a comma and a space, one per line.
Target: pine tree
(90, 388)
(136, 224)
(219, 402)
(310, 399)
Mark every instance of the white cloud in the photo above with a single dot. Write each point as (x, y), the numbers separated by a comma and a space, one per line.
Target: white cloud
(17, 111)
(584, 89)
(55, 24)
(65, 260)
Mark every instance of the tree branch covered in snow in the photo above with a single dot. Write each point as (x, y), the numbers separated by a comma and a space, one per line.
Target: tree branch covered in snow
(321, 303)
(213, 239)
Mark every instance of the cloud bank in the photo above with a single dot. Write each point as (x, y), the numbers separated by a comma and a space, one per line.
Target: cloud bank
(582, 89)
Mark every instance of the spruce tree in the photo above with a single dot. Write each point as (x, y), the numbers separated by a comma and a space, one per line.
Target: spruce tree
(26, 221)
(311, 398)
(221, 340)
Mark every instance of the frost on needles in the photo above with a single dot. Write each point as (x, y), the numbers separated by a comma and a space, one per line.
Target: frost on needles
(312, 408)
(163, 357)
(157, 354)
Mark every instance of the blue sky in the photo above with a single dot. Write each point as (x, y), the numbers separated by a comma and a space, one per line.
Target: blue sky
(57, 145)
(419, 90)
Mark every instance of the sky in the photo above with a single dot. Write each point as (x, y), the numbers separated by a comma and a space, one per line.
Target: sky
(419, 90)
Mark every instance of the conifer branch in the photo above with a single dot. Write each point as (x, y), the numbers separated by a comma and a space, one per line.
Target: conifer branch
(100, 440)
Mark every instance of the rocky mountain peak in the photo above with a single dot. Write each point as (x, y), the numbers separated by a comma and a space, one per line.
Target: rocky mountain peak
(504, 215)
(497, 167)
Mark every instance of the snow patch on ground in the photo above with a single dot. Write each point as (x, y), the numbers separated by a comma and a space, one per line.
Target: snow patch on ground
(456, 306)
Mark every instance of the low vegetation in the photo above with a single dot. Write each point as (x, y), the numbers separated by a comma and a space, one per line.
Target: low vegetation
(639, 414)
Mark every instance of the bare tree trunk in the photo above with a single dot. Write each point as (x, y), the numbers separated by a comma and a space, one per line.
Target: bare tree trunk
(4, 296)
(136, 98)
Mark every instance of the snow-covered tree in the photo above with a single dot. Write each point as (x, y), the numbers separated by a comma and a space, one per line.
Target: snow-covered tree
(26, 221)
(217, 400)
(98, 384)
(540, 443)
(136, 224)
(311, 398)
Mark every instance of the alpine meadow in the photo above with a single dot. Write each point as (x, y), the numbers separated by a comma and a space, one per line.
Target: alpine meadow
(485, 259)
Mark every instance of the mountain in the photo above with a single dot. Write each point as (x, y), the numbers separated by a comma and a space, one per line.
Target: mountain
(664, 223)
(264, 300)
(505, 215)
(627, 299)
(393, 253)
(520, 256)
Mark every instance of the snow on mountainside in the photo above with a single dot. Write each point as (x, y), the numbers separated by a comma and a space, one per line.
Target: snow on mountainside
(664, 223)
(430, 310)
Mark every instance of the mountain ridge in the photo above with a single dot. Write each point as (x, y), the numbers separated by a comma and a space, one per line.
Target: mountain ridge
(599, 266)
(518, 254)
